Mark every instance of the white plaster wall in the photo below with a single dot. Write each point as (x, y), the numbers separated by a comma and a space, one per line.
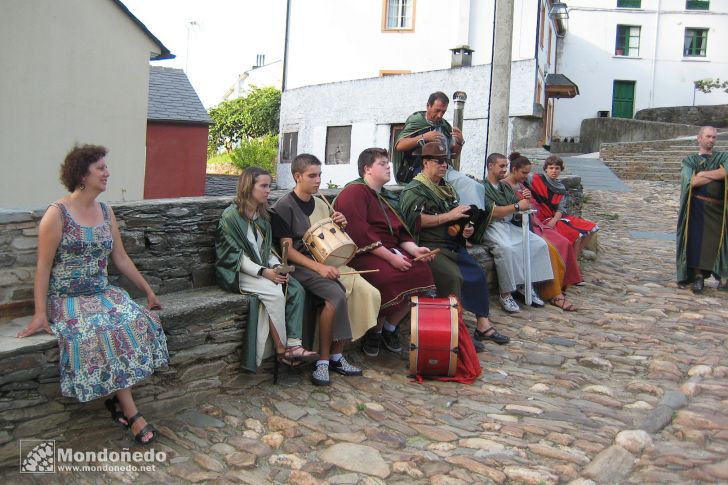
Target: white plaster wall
(372, 105)
(73, 72)
(337, 40)
(663, 76)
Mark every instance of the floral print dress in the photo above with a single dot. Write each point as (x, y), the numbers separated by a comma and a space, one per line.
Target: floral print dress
(107, 341)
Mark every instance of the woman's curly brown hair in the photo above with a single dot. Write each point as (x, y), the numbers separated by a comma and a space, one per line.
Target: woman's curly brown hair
(75, 166)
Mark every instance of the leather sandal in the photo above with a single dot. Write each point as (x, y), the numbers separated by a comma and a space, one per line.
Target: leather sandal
(560, 302)
(491, 333)
(117, 416)
(298, 354)
(146, 429)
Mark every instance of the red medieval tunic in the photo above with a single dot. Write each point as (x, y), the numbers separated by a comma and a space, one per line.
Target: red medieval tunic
(371, 223)
(550, 197)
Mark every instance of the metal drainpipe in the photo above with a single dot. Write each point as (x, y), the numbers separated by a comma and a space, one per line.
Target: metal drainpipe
(490, 88)
(535, 46)
(285, 46)
(654, 56)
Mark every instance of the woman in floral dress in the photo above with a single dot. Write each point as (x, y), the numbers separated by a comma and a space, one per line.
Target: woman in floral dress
(107, 341)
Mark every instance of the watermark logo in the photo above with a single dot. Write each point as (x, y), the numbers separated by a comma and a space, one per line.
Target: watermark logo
(37, 456)
(42, 456)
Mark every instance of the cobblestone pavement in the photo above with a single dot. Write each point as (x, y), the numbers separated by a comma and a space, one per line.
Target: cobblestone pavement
(632, 389)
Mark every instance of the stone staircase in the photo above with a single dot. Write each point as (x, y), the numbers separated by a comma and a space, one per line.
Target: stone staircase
(659, 160)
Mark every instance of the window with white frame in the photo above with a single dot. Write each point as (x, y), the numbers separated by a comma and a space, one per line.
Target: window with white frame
(399, 14)
(628, 41)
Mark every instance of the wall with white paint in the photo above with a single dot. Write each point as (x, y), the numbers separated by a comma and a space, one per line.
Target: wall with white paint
(664, 77)
(371, 106)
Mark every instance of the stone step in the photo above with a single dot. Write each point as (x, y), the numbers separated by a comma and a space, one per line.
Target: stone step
(183, 314)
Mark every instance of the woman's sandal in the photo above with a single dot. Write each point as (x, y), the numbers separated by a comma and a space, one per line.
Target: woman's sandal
(117, 416)
(560, 302)
(296, 355)
(146, 429)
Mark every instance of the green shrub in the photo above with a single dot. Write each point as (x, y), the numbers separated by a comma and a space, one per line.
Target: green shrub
(257, 152)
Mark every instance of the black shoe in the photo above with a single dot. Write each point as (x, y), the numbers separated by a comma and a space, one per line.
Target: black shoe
(698, 284)
(391, 340)
(343, 367)
(479, 347)
(495, 336)
(371, 342)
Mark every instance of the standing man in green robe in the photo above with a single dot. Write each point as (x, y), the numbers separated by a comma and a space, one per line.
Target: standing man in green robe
(430, 126)
(702, 248)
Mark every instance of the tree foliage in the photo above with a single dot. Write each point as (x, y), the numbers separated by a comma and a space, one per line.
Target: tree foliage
(708, 85)
(259, 152)
(252, 116)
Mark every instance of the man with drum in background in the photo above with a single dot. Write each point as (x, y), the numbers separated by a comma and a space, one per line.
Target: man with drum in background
(430, 207)
(291, 216)
(386, 245)
(428, 126)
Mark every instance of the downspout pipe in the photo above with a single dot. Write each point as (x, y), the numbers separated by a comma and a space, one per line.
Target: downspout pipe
(490, 90)
(654, 56)
(285, 46)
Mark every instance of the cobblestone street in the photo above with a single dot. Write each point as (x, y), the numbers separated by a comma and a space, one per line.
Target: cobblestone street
(632, 388)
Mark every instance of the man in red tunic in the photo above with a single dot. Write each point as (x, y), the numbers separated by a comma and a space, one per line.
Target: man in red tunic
(384, 244)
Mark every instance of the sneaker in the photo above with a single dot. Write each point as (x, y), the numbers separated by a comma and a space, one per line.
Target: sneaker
(344, 368)
(535, 300)
(320, 376)
(391, 340)
(370, 343)
(509, 304)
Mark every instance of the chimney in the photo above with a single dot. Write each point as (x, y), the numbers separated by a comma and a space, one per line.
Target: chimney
(462, 56)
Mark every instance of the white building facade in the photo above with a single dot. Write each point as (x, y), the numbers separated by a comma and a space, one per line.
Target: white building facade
(262, 75)
(355, 70)
(627, 55)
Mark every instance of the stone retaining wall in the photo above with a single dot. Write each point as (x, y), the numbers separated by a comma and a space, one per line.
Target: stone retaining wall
(713, 115)
(204, 331)
(625, 150)
(595, 131)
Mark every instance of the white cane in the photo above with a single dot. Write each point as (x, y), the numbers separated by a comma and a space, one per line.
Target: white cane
(526, 257)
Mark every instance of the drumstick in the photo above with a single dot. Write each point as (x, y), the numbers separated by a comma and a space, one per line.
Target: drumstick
(359, 272)
(423, 256)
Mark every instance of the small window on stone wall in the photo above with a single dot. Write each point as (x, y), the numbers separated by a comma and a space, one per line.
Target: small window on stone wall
(289, 147)
(338, 145)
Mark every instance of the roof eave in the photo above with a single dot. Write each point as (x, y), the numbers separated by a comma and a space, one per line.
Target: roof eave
(165, 53)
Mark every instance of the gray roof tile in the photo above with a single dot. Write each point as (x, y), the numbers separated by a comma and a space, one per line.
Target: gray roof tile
(172, 97)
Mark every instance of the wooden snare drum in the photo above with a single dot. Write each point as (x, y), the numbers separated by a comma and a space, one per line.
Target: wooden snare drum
(434, 336)
(328, 244)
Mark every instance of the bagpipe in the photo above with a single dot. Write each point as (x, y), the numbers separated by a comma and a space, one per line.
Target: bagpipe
(476, 217)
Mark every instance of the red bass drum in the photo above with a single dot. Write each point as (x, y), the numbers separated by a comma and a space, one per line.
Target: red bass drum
(434, 336)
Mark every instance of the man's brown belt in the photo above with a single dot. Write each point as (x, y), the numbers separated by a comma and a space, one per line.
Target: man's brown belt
(710, 200)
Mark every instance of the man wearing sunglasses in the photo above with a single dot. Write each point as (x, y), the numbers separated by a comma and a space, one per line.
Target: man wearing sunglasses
(436, 218)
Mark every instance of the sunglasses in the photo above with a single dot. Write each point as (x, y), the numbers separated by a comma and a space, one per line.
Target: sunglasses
(439, 161)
